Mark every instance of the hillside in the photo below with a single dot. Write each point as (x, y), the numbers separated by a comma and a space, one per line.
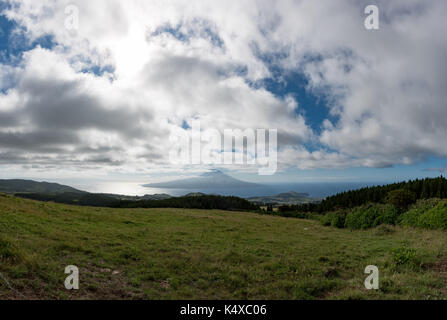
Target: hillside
(29, 186)
(192, 201)
(187, 254)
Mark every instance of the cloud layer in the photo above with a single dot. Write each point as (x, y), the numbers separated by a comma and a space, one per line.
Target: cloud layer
(110, 93)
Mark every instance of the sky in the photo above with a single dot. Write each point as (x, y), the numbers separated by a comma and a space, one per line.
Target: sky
(99, 102)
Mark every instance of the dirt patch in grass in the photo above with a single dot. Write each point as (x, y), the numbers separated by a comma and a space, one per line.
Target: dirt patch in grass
(440, 267)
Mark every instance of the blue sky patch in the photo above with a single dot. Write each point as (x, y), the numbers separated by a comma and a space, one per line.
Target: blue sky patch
(13, 42)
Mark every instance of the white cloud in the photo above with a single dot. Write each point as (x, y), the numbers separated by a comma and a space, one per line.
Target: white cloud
(171, 61)
(387, 87)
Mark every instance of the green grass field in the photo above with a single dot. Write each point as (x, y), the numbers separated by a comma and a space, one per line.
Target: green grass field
(194, 254)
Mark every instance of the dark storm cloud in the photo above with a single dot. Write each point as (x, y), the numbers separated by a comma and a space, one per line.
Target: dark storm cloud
(8, 119)
(65, 106)
(50, 124)
(38, 140)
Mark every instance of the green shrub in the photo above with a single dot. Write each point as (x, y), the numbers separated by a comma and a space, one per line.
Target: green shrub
(326, 220)
(370, 216)
(338, 221)
(334, 219)
(411, 217)
(387, 215)
(405, 256)
(435, 218)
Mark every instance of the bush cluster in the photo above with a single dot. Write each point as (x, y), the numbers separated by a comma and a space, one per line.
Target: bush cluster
(435, 218)
(411, 217)
(334, 219)
(405, 256)
(371, 215)
(429, 213)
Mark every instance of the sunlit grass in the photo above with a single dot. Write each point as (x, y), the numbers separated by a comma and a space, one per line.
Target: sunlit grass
(195, 254)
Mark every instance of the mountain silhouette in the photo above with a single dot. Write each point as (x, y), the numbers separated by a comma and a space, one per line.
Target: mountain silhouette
(211, 179)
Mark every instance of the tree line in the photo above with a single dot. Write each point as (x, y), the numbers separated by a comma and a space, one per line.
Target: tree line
(420, 188)
(208, 202)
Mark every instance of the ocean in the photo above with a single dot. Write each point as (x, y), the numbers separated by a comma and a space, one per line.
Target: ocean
(314, 189)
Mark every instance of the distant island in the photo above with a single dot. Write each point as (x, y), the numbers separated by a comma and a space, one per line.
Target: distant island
(285, 198)
(214, 178)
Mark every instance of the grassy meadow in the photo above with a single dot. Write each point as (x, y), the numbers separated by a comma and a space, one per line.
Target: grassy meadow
(199, 254)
